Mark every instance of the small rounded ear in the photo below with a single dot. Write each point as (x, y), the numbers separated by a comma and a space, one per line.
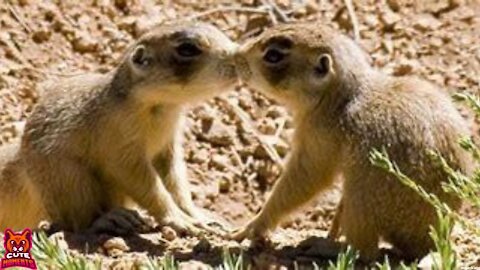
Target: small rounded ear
(323, 65)
(140, 57)
(8, 234)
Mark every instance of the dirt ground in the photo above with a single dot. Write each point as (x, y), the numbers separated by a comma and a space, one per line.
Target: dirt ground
(230, 169)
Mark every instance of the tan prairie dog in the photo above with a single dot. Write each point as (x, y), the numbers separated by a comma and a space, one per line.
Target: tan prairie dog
(343, 108)
(96, 141)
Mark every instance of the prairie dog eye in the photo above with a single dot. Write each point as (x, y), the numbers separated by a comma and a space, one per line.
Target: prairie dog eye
(140, 57)
(274, 56)
(188, 50)
(323, 65)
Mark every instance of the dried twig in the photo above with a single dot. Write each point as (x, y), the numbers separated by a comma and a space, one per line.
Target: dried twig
(272, 153)
(276, 12)
(272, 16)
(261, 10)
(354, 19)
(14, 49)
(237, 157)
(17, 17)
(268, 7)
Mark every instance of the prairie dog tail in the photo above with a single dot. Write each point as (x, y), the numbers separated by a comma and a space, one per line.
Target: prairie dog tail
(20, 204)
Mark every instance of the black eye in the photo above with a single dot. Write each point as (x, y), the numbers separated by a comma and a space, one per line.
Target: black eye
(323, 65)
(188, 50)
(274, 56)
(140, 56)
(23, 242)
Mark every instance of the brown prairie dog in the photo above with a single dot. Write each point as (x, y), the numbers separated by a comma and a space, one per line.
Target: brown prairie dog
(95, 141)
(343, 108)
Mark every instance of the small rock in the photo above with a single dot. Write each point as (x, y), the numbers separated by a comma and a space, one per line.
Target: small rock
(256, 23)
(219, 161)
(404, 68)
(121, 4)
(343, 20)
(171, 13)
(428, 262)
(282, 148)
(465, 13)
(199, 156)
(218, 134)
(127, 24)
(142, 24)
(83, 43)
(245, 102)
(193, 265)
(371, 20)
(224, 185)
(276, 112)
(389, 19)
(312, 6)
(41, 35)
(115, 246)
(260, 152)
(394, 5)
(267, 126)
(425, 22)
(436, 42)
(168, 233)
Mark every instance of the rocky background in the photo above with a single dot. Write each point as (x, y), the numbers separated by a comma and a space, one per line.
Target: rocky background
(235, 143)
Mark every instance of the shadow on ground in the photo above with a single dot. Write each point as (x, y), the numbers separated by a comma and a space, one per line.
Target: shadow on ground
(260, 255)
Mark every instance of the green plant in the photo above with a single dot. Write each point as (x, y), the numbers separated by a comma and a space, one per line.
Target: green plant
(166, 263)
(49, 254)
(443, 245)
(345, 260)
(232, 262)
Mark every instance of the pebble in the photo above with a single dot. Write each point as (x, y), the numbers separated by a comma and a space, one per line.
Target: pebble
(425, 22)
(83, 43)
(405, 67)
(199, 156)
(218, 134)
(267, 126)
(219, 161)
(282, 148)
(224, 185)
(168, 233)
(115, 246)
(41, 35)
(389, 19)
(196, 265)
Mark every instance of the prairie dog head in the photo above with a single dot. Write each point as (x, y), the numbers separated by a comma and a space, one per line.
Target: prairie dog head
(299, 63)
(180, 63)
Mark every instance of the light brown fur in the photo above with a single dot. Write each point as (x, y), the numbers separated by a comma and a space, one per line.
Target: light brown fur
(343, 108)
(96, 141)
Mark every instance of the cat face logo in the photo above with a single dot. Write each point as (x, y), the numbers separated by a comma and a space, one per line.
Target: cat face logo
(17, 250)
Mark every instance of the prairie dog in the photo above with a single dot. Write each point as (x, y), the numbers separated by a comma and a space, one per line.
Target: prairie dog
(343, 108)
(95, 141)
